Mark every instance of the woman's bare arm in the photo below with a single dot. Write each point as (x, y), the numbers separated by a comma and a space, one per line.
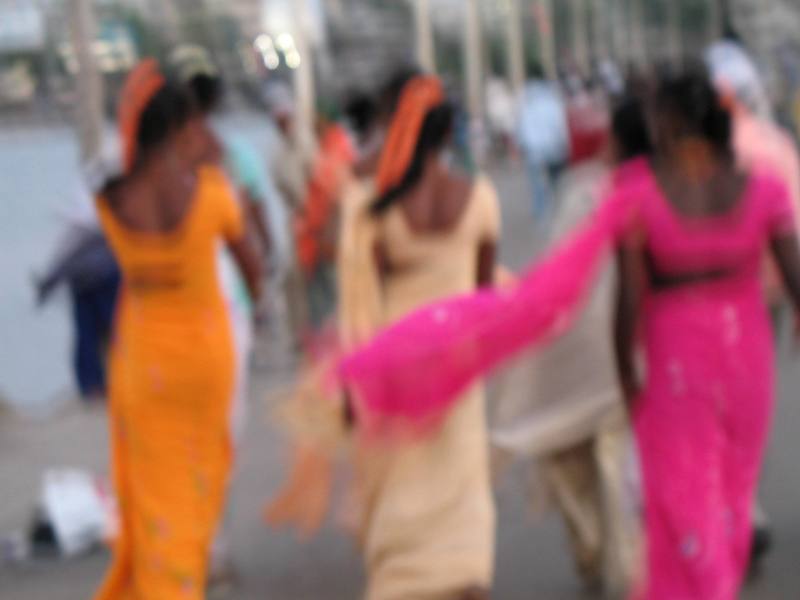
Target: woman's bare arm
(487, 261)
(258, 217)
(249, 262)
(630, 290)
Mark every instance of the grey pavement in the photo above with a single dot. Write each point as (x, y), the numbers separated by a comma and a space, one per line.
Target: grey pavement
(532, 559)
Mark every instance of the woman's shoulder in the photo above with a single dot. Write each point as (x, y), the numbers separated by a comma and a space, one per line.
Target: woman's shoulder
(765, 180)
(481, 188)
(770, 194)
(486, 205)
(214, 186)
(212, 174)
(632, 182)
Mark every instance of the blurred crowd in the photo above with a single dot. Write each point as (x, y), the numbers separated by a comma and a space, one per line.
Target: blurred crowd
(361, 220)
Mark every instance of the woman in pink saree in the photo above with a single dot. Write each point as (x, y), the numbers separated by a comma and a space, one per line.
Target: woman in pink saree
(691, 264)
(691, 231)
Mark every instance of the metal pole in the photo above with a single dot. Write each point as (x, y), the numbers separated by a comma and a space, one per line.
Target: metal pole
(89, 82)
(473, 76)
(426, 53)
(637, 26)
(547, 47)
(516, 50)
(472, 49)
(304, 89)
(601, 13)
(580, 47)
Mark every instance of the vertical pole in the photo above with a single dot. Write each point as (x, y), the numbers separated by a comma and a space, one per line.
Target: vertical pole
(601, 15)
(580, 47)
(472, 62)
(547, 48)
(473, 76)
(304, 88)
(89, 109)
(426, 52)
(516, 50)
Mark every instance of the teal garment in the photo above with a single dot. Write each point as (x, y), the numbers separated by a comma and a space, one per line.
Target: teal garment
(243, 165)
(247, 168)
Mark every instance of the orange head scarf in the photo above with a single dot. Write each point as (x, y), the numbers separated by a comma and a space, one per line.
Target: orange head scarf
(141, 85)
(420, 95)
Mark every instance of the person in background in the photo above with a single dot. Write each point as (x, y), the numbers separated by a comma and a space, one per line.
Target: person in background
(544, 141)
(361, 113)
(173, 362)
(587, 121)
(759, 144)
(290, 164)
(577, 427)
(611, 78)
(690, 281)
(501, 106)
(83, 262)
(316, 223)
(293, 159)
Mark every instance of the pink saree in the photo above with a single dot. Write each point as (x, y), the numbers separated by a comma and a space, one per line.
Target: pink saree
(704, 413)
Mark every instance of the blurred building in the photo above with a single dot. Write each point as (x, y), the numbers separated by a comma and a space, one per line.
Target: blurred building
(22, 26)
(247, 13)
(769, 30)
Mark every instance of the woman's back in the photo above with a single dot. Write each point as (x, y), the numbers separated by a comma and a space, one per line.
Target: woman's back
(175, 271)
(426, 261)
(729, 244)
(172, 313)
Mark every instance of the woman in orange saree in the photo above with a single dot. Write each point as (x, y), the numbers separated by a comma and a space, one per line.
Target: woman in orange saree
(172, 364)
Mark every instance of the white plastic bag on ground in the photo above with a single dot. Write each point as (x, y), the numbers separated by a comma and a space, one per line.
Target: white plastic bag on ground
(79, 508)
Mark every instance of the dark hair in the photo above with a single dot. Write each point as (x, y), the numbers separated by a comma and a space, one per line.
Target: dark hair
(434, 135)
(207, 92)
(629, 128)
(361, 111)
(691, 97)
(169, 110)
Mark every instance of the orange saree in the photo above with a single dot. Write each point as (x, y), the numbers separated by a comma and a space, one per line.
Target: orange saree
(172, 378)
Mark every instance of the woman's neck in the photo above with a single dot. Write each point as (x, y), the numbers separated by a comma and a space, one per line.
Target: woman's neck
(164, 172)
(695, 160)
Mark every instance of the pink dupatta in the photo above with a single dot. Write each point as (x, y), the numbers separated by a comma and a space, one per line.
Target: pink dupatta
(408, 376)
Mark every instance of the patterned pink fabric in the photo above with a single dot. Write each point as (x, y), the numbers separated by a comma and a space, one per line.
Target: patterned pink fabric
(703, 416)
(704, 413)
